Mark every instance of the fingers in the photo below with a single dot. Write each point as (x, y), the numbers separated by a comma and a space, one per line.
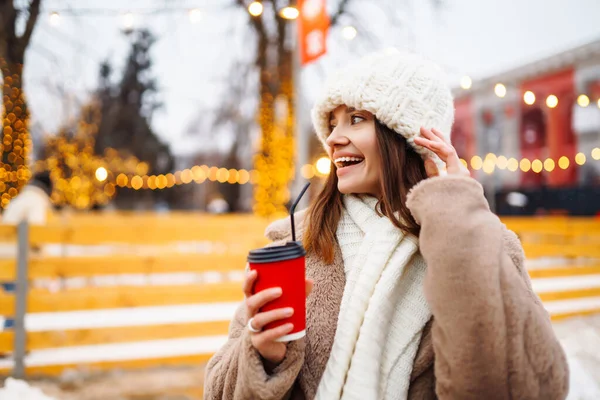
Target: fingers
(256, 301)
(270, 335)
(264, 318)
(249, 283)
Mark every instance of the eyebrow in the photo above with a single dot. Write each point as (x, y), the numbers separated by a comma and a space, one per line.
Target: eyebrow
(348, 111)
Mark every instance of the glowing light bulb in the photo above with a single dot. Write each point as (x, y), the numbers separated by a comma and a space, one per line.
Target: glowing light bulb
(500, 90)
(323, 165)
(529, 97)
(101, 174)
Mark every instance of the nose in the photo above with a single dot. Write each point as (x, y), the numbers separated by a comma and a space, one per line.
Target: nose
(337, 138)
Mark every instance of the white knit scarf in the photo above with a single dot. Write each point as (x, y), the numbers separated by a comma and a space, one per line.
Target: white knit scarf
(383, 310)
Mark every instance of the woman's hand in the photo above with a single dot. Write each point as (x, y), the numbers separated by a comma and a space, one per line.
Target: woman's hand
(433, 140)
(264, 341)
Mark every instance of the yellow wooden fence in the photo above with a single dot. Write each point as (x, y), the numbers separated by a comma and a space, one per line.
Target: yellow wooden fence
(154, 240)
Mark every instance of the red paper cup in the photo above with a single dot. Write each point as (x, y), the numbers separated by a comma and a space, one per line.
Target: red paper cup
(284, 267)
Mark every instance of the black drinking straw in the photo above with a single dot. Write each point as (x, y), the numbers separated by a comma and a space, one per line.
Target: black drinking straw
(293, 209)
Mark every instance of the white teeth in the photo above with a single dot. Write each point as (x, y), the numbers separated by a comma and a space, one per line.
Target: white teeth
(347, 159)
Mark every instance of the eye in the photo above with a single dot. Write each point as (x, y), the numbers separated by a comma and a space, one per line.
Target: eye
(355, 119)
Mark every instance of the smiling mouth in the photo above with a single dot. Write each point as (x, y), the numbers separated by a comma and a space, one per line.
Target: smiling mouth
(344, 162)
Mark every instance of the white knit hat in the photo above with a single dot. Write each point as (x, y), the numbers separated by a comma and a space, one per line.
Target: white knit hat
(404, 91)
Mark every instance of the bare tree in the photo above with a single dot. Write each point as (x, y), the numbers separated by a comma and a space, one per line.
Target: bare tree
(272, 65)
(16, 143)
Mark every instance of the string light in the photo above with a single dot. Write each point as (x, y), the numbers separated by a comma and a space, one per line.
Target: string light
(583, 100)
(255, 9)
(323, 165)
(513, 164)
(466, 82)
(289, 13)
(195, 15)
(563, 162)
(128, 20)
(596, 153)
(349, 32)
(529, 98)
(101, 174)
(549, 165)
(580, 158)
(552, 101)
(54, 18)
(476, 162)
(500, 90)
(525, 165)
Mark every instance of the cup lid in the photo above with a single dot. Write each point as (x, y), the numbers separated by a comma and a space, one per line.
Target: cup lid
(288, 251)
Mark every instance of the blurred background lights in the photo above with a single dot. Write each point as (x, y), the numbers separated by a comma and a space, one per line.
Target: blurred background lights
(596, 153)
(101, 174)
(54, 19)
(289, 12)
(195, 15)
(466, 82)
(529, 97)
(500, 90)
(255, 8)
(323, 165)
(128, 20)
(552, 101)
(583, 100)
(580, 158)
(349, 32)
(563, 162)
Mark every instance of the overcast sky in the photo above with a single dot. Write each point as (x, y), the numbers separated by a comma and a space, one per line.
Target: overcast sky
(474, 37)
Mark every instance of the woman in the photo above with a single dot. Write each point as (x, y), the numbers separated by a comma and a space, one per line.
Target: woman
(420, 292)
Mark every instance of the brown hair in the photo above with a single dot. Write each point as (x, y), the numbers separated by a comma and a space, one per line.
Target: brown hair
(401, 169)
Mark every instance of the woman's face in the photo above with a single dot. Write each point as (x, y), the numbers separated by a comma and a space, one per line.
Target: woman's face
(352, 145)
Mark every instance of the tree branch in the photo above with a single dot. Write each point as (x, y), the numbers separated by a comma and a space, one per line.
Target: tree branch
(341, 10)
(34, 12)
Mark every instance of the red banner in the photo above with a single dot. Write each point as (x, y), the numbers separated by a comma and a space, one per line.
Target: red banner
(313, 24)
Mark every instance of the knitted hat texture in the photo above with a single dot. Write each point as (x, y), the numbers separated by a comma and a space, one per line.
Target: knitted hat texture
(403, 90)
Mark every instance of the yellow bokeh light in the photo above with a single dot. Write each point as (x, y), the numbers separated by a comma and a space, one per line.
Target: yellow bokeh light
(289, 12)
(222, 175)
(255, 8)
(137, 182)
(525, 165)
(233, 176)
(186, 176)
(583, 100)
(549, 164)
(466, 82)
(122, 180)
(323, 165)
(54, 19)
(101, 174)
(552, 101)
(529, 97)
(580, 158)
(537, 166)
(563, 162)
(109, 190)
(243, 176)
(151, 182)
(501, 162)
(308, 171)
(212, 173)
(161, 181)
(198, 174)
(513, 164)
(489, 165)
(170, 180)
(476, 162)
(596, 153)
(500, 90)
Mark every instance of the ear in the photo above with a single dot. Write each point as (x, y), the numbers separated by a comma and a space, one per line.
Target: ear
(431, 168)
